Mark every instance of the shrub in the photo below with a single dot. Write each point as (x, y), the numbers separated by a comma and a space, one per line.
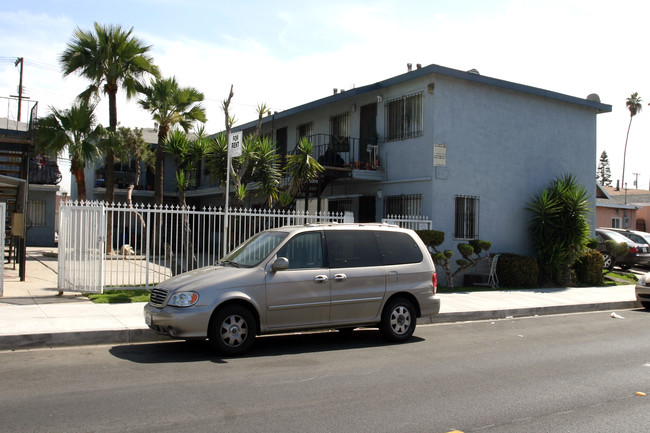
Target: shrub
(517, 271)
(589, 268)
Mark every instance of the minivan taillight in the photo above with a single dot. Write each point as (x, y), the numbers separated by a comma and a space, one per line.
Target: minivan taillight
(434, 280)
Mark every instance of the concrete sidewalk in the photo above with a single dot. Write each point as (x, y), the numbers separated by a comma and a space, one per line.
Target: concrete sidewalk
(33, 316)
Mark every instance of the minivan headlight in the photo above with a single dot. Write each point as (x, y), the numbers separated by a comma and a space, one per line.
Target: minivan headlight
(183, 299)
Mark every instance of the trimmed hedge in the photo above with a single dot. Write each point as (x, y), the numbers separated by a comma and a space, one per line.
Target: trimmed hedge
(514, 270)
(589, 268)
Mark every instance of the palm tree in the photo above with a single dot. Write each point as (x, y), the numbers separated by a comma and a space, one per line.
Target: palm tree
(170, 105)
(259, 162)
(633, 104)
(75, 130)
(302, 168)
(109, 57)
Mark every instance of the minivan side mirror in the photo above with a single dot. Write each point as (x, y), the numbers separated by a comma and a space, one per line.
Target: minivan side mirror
(280, 264)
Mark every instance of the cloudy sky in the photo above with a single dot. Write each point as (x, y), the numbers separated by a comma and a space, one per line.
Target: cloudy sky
(288, 52)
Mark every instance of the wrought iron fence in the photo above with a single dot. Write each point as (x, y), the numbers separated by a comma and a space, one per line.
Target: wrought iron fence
(413, 222)
(150, 244)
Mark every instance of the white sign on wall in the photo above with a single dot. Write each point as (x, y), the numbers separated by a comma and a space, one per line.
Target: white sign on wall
(235, 144)
(439, 155)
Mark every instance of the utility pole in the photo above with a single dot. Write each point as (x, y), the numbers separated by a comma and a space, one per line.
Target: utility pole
(636, 180)
(20, 85)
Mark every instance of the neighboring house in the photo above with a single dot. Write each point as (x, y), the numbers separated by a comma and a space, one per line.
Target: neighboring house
(620, 208)
(464, 150)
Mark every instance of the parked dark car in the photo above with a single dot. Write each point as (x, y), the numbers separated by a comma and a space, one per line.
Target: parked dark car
(638, 255)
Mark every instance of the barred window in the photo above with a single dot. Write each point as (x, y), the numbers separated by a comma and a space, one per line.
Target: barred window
(466, 221)
(404, 117)
(36, 212)
(305, 130)
(409, 205)
(340, 125)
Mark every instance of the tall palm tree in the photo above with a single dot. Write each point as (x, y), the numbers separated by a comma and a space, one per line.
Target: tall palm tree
(302, 168)
(633, 104)
(110, 58)
(75, 130)
(170, 105)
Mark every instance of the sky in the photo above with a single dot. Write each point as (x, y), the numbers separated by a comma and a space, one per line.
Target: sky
(289, 52)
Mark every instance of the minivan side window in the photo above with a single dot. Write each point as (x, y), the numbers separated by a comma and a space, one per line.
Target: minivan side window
(352, 249)
(304, 251)
(398, 248)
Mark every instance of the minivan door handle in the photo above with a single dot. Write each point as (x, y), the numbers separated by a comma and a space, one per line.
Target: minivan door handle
(321, 278)
(340, 277)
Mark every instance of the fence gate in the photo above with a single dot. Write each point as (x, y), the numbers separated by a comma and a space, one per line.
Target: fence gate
(82, 235)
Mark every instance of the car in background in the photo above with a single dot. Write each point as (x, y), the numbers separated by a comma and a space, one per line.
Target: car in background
(638, 254)
(642, 291)
(634, 235)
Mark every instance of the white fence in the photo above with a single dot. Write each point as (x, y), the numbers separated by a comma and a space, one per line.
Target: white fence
(147, 245)
(412, 222)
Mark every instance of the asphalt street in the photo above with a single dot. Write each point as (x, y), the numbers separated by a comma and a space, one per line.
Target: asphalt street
(576, 372)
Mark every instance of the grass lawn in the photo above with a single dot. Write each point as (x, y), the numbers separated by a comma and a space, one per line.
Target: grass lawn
(119, 296)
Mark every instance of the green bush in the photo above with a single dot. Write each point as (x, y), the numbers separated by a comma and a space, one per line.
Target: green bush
(517, 271)
(589, 268)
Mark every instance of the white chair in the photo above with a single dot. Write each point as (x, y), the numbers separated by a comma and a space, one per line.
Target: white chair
(492, 279)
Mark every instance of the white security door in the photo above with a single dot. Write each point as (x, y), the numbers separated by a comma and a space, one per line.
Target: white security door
(82, 234)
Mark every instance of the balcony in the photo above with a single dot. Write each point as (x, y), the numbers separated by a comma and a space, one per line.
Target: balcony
(333, 151)
(17, 129)
(44, 172)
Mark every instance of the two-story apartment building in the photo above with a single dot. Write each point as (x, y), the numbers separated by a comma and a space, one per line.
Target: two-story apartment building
(465, 150)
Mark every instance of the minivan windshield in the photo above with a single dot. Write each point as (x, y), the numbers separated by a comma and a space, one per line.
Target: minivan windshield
(254, 250)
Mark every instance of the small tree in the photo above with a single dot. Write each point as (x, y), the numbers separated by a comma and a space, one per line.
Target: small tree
(470, 252)
(604, 173)
(132, 147)
(302, 168)
(187, 155)
(559, 227)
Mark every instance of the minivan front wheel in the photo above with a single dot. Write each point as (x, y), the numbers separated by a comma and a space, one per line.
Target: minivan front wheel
(232, 330)
(398, 320)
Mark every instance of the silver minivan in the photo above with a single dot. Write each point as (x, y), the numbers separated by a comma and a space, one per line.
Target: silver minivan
(317, 276)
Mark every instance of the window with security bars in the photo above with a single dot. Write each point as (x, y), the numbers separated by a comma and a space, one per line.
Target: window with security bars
(406, 205)
(404, 117)
(305, 130)
(466, 220)
(36, 212)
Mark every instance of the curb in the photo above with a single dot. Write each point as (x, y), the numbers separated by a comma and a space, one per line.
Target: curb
(80, 338)
(527, 312)
(143, 335)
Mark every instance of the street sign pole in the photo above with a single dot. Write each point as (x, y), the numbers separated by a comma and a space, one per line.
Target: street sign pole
(234, 150)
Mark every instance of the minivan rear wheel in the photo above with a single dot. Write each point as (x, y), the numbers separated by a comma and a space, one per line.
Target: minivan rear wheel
(398, 320)
(232, 330)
